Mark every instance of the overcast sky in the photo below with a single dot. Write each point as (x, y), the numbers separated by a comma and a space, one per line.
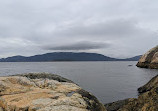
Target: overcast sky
(116, 28)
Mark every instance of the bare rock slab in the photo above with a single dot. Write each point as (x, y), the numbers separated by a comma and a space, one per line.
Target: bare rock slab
(44, 92)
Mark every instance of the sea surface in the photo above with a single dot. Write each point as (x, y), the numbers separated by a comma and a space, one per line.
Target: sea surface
(108, 81)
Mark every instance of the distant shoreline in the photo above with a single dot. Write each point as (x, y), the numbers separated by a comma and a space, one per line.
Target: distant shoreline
(70, 61)
(66, 57)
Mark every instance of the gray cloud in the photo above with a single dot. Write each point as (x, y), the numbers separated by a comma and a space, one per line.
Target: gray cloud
(29, 27)
(82, 45)
(107, 29)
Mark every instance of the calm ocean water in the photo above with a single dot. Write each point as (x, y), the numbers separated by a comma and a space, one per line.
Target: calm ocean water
(108, 81)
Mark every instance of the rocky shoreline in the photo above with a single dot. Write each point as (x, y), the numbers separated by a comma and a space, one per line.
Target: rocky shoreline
(44, 92)
(49, 92)
(148, 94)
(146, 101)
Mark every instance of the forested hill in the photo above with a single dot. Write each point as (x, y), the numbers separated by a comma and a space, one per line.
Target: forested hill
(64, 56)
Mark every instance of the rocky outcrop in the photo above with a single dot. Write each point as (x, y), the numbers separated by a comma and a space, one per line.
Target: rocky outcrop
(44, 92)
(149, 59)
(153, 83)
(114, 106)
(147, 100)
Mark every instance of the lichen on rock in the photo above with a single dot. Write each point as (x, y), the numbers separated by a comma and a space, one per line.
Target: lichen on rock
(44, 92)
